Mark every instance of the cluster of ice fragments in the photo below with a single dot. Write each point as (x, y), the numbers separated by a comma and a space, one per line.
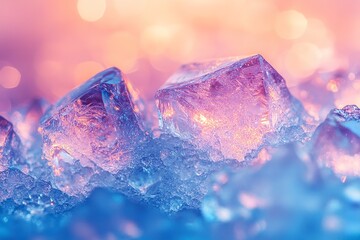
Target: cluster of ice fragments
(236, 156)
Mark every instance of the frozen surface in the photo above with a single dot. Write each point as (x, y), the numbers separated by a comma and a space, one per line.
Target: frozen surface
(230, 107)
(170, 173)
(336, 142)
(23, 196)
(285, 198)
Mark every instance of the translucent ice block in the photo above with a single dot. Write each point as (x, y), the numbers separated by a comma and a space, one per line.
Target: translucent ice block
(229, 106)
(96, 126)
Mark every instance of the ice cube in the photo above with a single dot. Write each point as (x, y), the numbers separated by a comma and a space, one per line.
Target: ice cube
(230, 107)
(96, 126)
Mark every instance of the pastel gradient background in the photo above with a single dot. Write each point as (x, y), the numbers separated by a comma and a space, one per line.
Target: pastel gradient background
(49, 47)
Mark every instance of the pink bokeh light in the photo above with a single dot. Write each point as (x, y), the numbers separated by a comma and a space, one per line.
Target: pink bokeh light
(48, 48)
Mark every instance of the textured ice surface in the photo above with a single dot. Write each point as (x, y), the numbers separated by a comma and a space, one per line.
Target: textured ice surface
(283, 199)
(232, 106)
(170, 173)
(10, 145)
(318, 210)
(95, 126)
(336, 142)
(94, 138)
(24, 196)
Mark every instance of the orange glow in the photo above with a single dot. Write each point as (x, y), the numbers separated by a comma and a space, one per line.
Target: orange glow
(57, 171)
(290, 24)
(86, 70)
(91, 10)
(199, 118)
(303, 59)
(121, 50)
(149, 40)
(206, 122)
(260, 13)
(169, 112)
(332, 86)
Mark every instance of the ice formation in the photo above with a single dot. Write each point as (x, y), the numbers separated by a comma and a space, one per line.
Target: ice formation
(96, 126)
(180, 181)
(23, 196)
(336, 142)
(230, 106)
(10, 149)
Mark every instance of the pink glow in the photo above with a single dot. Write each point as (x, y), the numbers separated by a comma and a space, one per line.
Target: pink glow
(47, 48)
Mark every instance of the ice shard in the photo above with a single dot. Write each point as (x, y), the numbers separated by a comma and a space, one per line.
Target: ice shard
(96, 126)
(231, 107)
(336, 142)
(10, 145)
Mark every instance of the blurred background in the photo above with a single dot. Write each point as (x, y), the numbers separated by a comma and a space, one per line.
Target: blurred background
(49, 47)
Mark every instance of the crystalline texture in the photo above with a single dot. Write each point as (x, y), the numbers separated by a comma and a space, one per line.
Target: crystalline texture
(27, 197)
(229, 105)
(9, 145)
(336, 142)
(171, 174)
(95, 126)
